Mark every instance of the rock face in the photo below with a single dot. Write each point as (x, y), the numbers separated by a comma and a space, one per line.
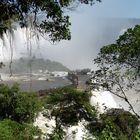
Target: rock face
(73, 78)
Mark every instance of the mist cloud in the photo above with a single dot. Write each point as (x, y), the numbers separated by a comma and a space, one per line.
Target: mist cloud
(87, 38)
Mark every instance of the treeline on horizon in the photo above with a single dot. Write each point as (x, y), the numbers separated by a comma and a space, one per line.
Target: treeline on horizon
(23, 65)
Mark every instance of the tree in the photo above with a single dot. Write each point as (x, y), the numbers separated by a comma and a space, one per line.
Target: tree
(68, 106)
(40, 17)
(115, 124)
(45, 16)
(119, 66)
(126, 51)
(18, 106)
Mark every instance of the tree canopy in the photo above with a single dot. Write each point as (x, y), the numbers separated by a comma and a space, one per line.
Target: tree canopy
(17, 105)
(119, 66)
(125, 52)
(69, 107)
(47, 16)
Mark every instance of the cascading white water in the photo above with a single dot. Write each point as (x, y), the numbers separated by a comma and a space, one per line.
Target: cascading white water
(103, 100)
(78, 132)
(20, 41)
(47, 125)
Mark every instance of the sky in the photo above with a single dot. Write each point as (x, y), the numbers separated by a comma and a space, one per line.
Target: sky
(115, 8)
(92, 27)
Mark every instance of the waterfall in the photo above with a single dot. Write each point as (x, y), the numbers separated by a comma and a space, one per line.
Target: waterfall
(103, 100)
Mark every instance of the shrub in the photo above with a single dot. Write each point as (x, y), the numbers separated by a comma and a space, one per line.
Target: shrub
(16, 105)
(116, 124)
(70, 106)
(136, 134)
(11, 130)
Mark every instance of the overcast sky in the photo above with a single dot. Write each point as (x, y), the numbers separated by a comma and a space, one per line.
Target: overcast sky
(92, 27)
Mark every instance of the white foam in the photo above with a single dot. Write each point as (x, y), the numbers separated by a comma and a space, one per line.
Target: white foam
(45, 124)
(103, 100)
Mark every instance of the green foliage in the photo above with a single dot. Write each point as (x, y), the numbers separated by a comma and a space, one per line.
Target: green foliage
(57, 134)
(17, 108)
(115, 124)
(22, 65)
(11, 130)
(123, 56)
(67, 94)
(119, 66)
(136, 135)
(69, 106)
(25, 107)
(126, 50)
(17, 105)
(125, 118)
(54, 22)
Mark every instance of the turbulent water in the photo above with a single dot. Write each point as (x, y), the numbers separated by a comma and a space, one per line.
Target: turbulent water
(38, 82)
(103, 100)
